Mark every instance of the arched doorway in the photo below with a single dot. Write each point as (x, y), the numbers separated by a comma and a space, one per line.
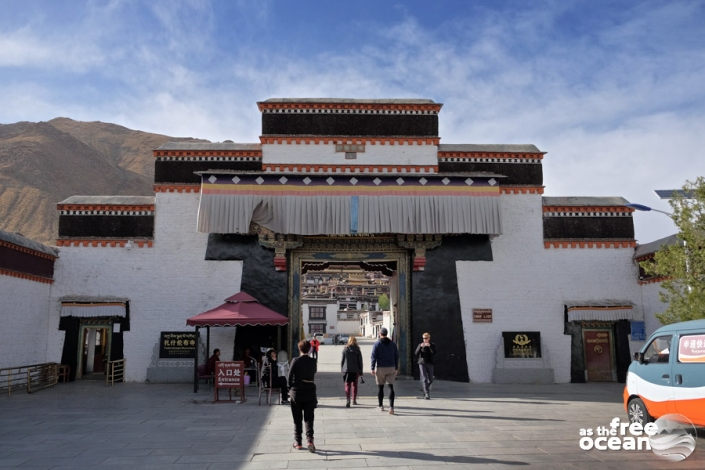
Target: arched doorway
(369, 253)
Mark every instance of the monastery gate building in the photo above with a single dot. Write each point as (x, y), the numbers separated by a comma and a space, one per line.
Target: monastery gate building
(514, 287)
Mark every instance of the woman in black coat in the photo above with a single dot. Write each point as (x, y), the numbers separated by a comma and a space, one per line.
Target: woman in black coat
(303, 394)
(351, 367)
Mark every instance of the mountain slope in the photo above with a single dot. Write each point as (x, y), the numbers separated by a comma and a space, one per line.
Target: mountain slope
(44, 163)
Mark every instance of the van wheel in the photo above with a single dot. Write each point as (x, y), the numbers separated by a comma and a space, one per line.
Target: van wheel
(638, 412)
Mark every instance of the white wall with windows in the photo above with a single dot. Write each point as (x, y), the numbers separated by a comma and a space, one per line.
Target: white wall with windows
(319, 316)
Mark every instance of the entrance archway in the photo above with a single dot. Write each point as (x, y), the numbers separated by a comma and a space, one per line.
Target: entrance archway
(364, 250)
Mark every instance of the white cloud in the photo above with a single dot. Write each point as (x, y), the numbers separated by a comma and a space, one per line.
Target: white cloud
(22, 49)
(620, 109)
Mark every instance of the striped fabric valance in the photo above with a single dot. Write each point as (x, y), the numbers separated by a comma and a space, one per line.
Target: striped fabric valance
(601, 313)
(87, 310)
(349, 204)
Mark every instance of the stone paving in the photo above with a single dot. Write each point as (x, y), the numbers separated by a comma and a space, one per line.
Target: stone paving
(148, 426)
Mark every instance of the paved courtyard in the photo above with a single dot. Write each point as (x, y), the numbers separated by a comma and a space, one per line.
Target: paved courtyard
(148, 426)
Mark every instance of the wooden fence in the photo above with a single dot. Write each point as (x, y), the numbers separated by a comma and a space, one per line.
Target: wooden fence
(28, 378)
(116, 372)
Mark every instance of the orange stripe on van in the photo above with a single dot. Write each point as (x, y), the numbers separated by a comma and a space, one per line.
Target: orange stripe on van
(659, 408)
(693, 409)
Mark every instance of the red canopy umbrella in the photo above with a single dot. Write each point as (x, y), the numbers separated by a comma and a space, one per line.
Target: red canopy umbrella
(239, 310)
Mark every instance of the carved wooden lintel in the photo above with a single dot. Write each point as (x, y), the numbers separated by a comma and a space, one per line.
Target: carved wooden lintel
(420, 244)
(278, 242)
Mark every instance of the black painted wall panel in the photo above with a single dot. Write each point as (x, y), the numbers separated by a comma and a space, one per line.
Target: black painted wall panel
(69, 355)
(577, 360)
(624, 359)
(26, 263)
(436, 303)
(435, 298)
(516, 173)
(588, 227)
(106, 226)
(259, 279)
(350, 124)
(183, 172)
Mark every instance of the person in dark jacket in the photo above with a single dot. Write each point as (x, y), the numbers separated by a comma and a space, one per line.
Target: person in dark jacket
(385, 357)
(277, 381)
(425, 352)
(210, 365)
(351, 367)
(303, 394)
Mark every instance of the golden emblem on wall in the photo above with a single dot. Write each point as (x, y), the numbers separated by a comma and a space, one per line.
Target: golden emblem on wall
(521, 340)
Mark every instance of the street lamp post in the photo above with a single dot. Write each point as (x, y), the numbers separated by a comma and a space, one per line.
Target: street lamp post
(641, 207)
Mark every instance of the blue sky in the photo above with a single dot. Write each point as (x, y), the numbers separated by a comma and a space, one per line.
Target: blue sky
(614, 91)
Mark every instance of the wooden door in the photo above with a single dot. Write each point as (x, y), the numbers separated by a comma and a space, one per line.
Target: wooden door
(599, 356)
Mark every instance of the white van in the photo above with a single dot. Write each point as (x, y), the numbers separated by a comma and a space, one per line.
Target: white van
(668, 375)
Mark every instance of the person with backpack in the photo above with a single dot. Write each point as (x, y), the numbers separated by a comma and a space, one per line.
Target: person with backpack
(385, 367)
(351, 367)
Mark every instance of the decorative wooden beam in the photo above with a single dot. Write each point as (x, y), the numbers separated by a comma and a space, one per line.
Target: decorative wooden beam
(420, 244)
(278, 242)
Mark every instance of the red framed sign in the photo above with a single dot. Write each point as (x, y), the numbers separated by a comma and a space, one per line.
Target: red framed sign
(230, 375)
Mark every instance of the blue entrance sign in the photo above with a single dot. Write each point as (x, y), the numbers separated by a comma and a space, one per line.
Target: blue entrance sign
(638, 331)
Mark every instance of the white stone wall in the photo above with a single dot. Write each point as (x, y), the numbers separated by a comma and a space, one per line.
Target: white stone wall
(526, 286)
(652, 305)
(331, 316)
(166, 284)
(23, 310)
(350, 327)
(325, 154)
(332, 319)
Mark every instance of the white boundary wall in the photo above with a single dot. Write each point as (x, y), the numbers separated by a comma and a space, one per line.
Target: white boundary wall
(325, 154)
(652, 305)
(166, 284)
(527, 285)
(23, 310)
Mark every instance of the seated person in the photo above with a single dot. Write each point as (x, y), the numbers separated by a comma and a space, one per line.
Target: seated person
(277, 381)
(658, 350)
(210, 365)
(248, 359)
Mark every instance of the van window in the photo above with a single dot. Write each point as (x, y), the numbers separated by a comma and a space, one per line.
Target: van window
(691, 348)
(658, 350)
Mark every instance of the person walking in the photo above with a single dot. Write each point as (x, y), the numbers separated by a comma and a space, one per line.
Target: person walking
(425, 352)
(351, 367)
(302, 389)
(385, 367)
(315, 344)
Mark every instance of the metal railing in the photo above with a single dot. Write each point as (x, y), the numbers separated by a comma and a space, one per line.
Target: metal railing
(116, 372)
(30, 378)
